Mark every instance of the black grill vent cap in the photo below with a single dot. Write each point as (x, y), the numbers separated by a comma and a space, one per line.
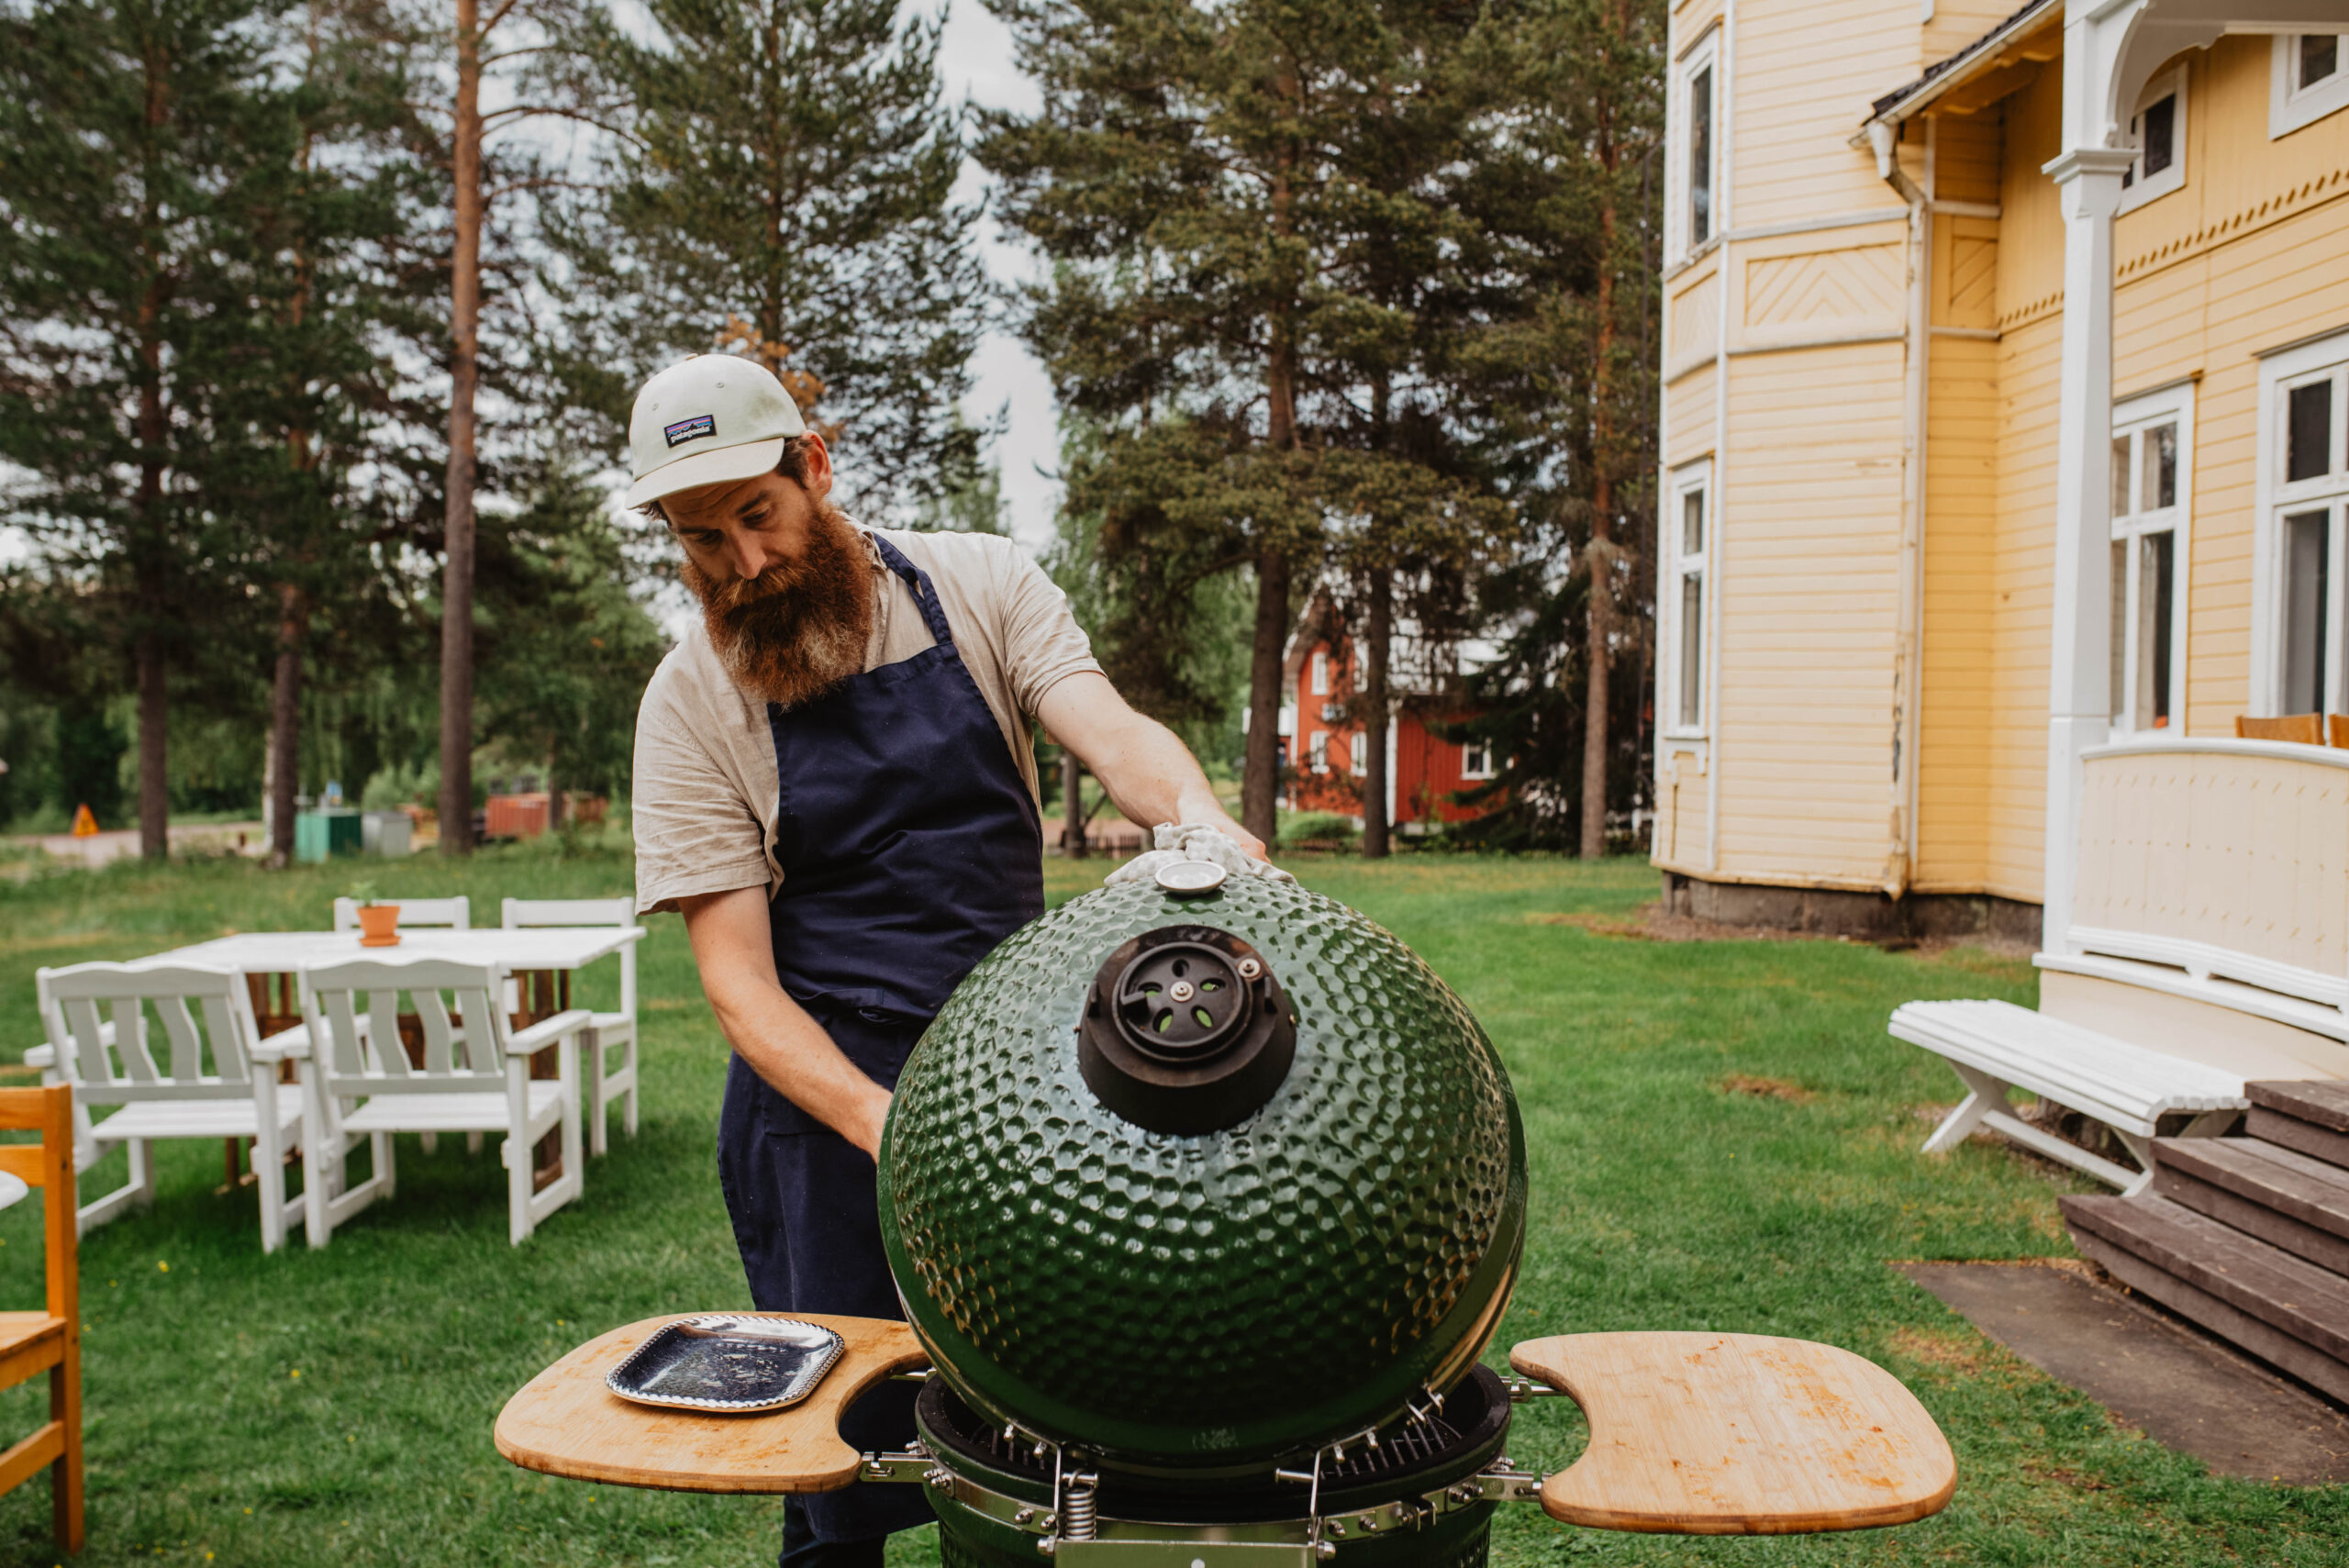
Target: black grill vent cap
(1186, 1031)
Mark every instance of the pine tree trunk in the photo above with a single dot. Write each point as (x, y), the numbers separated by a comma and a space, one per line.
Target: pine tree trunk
(1261, 775)
(148, 654)
(465, 343)
(554, 792)
(285, 724)
(1261, 772)
(1379, 633)
(1602, 520)
(154, 802)
(1073, 805)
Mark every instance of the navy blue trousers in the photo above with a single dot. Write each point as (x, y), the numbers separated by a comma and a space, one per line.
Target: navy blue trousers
(806, 1220)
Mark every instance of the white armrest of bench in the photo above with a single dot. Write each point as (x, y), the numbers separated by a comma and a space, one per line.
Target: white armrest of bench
(546, 1031)
(41, 1056)
(285, 1045)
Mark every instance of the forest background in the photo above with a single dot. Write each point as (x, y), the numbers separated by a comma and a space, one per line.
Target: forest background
(318, 325)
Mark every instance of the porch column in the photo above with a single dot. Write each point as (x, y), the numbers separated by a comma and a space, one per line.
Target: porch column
(2079, 705)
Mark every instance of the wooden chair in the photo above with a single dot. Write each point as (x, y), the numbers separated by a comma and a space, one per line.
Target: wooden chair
(2303, 729)
(456, 912)
(611, 1032)
(48, 1340)
(363, 1089)
(2337, 728)
(238, 1097)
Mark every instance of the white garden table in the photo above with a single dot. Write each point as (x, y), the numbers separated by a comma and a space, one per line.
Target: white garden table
(545, 951)
(532, 949)
(541, 959)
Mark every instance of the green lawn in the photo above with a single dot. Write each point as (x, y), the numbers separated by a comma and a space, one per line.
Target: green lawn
(307, 1410)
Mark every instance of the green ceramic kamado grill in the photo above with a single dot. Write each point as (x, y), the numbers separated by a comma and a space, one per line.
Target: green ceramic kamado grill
(1205, 1204)
(1204, 1196)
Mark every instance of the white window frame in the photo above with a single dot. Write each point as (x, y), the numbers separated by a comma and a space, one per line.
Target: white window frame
(2291, 107)
(2133, 421)
(1475, 760)
(1689, 478)
(2277, 498)
(2141, 189)
(1680, 188)
(1316, 751)
(1321, 673)
(1357, 753)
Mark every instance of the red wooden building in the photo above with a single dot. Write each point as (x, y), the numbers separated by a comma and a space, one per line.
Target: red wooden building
(1323, 742)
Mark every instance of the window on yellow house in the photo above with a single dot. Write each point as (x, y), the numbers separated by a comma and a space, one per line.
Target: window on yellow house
(2158, 131)
(2151, 496)
(1687, 518)
(2304, 437)
(1697, 112)
(2310, 80)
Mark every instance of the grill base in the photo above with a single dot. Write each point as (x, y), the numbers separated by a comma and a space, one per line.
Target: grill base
(993, 1496)
(1465, 1541)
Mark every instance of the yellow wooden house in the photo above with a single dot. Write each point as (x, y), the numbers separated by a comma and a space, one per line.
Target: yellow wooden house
(2005, 485)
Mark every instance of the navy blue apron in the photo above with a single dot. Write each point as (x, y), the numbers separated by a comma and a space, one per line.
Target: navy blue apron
(909, 848)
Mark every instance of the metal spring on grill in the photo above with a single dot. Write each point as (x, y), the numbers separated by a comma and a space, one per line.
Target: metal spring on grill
(1077, 1508)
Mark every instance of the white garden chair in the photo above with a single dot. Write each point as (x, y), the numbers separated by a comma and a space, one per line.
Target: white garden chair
(236, 1094)
(456, 912)
(363, 1089)
(611, 1034)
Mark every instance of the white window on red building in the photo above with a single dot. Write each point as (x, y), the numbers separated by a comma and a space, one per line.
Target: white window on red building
(1476, 759)
(1317, 749)
(1320, 674)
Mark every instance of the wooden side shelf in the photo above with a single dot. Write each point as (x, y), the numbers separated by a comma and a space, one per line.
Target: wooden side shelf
(565, 1422)
(1737, 1434)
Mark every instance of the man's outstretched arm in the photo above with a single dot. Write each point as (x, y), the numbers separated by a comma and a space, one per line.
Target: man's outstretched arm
(766, 1028)
(1150, 774)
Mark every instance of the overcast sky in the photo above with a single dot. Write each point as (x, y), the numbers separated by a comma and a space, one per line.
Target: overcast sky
(976, 59)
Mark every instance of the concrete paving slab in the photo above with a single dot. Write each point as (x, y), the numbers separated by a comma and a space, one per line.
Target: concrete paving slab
(2160, 1375)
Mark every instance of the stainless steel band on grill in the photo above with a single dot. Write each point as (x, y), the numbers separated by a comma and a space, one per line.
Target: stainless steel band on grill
(1423, 1493)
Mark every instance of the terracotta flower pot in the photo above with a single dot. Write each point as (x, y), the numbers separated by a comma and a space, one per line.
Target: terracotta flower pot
(379, 924)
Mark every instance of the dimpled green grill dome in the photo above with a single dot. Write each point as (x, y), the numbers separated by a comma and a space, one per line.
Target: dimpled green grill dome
(1188, 1301)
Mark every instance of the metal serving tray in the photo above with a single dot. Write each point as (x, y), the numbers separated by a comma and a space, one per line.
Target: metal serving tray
(728, 1361)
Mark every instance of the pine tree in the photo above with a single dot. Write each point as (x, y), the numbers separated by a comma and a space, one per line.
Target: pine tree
(304, 282)
(783, 189)
(1258, 253)
(124, 132)
(1571, 188)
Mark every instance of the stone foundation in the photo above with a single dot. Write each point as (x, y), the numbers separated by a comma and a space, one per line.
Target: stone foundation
(1863, 917)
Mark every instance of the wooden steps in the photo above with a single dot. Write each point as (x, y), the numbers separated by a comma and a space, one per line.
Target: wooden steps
(2311, 1118)
(2248, 1236)
(2276, 1194)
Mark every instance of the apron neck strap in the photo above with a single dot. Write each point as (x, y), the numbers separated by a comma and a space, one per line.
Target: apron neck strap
(933, 614)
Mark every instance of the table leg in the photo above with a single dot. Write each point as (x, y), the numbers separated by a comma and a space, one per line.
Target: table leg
(542, 997)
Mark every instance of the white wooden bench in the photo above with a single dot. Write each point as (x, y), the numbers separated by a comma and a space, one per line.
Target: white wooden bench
(1996, 1046)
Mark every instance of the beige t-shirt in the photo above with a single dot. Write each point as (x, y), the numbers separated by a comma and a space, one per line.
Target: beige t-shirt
(706, 787)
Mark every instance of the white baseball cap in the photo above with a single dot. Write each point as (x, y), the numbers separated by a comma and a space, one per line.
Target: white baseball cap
(711, 419)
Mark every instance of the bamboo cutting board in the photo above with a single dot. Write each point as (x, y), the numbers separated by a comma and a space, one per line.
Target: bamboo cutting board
(1737, 1434)
(565, 1422)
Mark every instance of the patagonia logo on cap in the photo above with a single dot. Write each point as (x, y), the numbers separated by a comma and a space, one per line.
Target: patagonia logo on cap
(691, 429)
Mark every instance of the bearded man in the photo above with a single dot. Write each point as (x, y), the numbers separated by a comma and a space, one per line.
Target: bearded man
(835, 786)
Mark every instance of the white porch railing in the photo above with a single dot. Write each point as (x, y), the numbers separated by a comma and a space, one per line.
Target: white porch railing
(2224, 863)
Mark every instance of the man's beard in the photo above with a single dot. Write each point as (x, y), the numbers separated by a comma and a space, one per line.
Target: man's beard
(800, 628)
